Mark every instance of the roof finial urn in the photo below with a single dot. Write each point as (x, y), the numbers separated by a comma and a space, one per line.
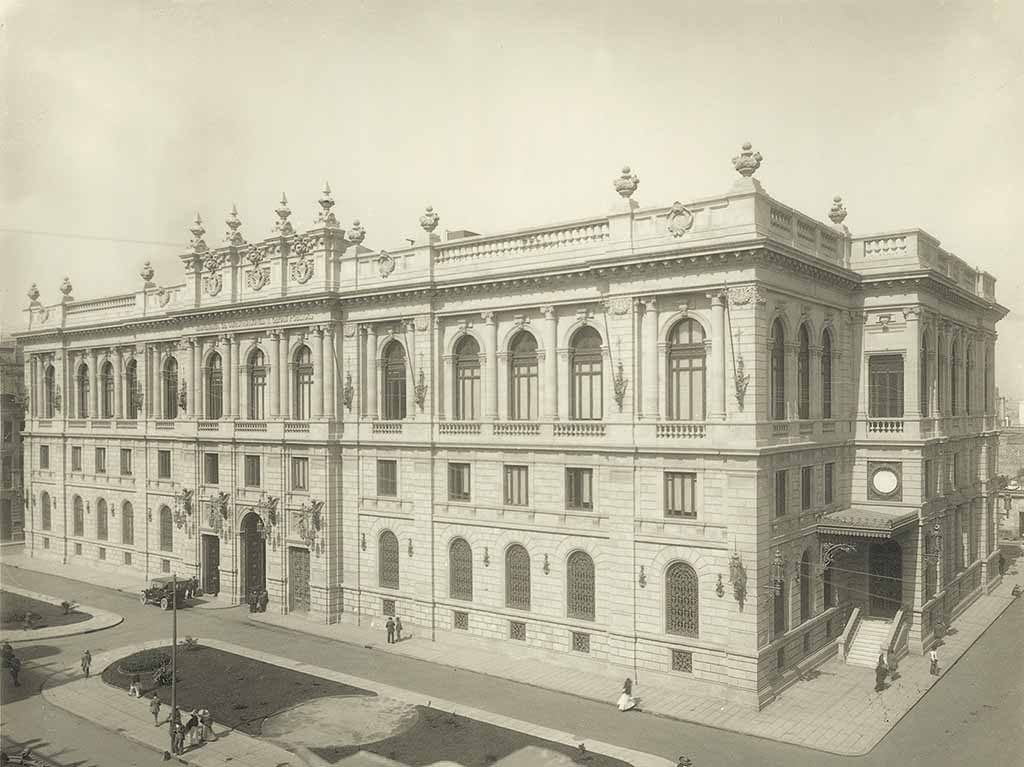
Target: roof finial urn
(357, 233)
(198, 243)
(837, 213)
(429, 220)
(233, 236)
(65, 288)
(33, 293)
(326, 216)
(283, 226)
(627, 183)
(147, 274)
(748, 161)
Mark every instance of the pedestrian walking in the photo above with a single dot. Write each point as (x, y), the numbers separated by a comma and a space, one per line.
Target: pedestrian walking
(86, 663)
(627, 686)
(192, 728)
(154, 709)
(880, 672)
(135, 688)
(178, 739)
(398, 629)
(390, 626)
(206, 719)
(893, 666)
(14, 668)
(933, 659)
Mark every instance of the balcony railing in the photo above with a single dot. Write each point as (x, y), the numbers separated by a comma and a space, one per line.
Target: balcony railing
(251, 426)
(459, 427)
(780, 429)
(885, 426)
(579, 429)
(387, 427)
(296, 427)
(208, 425)
(684, 430)
(127, 424)
(163, 424)
(516, 429)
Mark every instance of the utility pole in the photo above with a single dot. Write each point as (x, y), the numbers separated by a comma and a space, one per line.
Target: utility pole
(174, 652)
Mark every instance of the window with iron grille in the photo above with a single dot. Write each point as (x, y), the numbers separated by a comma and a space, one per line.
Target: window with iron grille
(131, 390)
(126, 461)
(467, 380)
(394, 383)
(302, 398)
(127, 558)
(522, 392)
(165, 565)
(460, 570)
(387, 478)
(107, 391)
(517, 578)
(76, 459)
(830, 478)
(517, 630)
(49, 387)
(101, 460)
(127, 524)
(82, 390)
(580, 641)
(803, 375)
(166, 529)
(780, 493)
(388, 564)
(458, 481)
(300, 474)
(47, 517)
(102, 528)
(585, 390)
(170, 386)
(517, 486)
(78, 516)
(682, 660)
(78, 549)
(214, 387)
(580, 586)
(163, 464)
(579, 489)
(387, 607)
(806, 487)
(686, 372)
(252, 471)
(211, 468)
(680, 494)
(102, 553)
(460, 620)
(885, 386)
(257, 386)
(44, 456)
(682, 600)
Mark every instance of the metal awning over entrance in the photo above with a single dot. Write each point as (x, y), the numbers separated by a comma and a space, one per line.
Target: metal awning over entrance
(867, 522)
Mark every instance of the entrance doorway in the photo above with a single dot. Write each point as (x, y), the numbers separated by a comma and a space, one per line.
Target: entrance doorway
(298, 580)
(210, 564)
(885, 579)
(254, 556)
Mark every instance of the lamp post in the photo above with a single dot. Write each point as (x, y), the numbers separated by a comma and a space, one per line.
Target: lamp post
(174, 653)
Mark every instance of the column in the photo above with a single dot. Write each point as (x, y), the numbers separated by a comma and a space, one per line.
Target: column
(562, 385)
(550, 398)
(490, 404)
(286, 376)
(274, 386)
(912, 365)
(371, 372)
(649, 358)
(158, 382)
(717, 358)
(243, 383)
(442, 371)
(34, 386)
(118, 388)
(330, 371)
(231, 368)
(184, 350)
(142, 354)
(94, 384)
(792, 352)
(413, 369)
(195, 349)
(933, 371)
(814, 378)
(317, 345)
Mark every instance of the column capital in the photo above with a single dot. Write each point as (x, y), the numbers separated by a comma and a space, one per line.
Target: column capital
(650, 303)
(548, 311)
(912, 313)
(487, 317)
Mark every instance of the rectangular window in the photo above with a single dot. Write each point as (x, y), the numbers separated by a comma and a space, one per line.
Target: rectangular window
(780, 493)
(885, 386)
(580, 641)
(517, 486)
(387, 479)
(579, 485)
(101, 460)
(127, 558)
(460, 620)
(300, 474)
(78, 549)
(44, 456)
(76, 459)
(806, 488)
(387, 607)
(102, 553)
(830, 487)
(46, 543)
(680, 494)
(682, 660)
(165, 565)
(211, 468)
(126, 461)
(252, 471)
(929, 478)
(163, 464)
(517, 630)
(458, 482)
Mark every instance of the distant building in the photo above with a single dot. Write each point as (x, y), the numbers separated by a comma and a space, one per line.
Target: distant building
(1011, 453)
(12, 421)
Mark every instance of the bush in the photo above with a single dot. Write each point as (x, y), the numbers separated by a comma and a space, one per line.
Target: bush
(189, 643)
(140, 662)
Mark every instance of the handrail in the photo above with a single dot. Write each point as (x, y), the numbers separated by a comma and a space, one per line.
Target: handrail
(843, 644)
(894, 631)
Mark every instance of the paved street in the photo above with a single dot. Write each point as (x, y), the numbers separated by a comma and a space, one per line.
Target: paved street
(972, 715)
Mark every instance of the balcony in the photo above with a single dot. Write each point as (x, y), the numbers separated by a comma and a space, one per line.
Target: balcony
(458, 427)
(296, 427)
(387, 427)
(207, 425)
(885, 426)
(681, 430)
(251, 426)
(516, 429)
(578, 429)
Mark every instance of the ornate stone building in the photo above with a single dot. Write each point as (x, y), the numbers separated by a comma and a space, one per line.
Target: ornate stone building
(716, 440)
(12, 420)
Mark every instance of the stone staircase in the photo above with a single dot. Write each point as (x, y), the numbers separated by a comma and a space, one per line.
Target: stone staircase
(868, 641)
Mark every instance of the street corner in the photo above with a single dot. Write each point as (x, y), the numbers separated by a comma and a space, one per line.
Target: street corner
(30, 616)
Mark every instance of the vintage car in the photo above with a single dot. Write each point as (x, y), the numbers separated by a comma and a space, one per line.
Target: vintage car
(160, 591)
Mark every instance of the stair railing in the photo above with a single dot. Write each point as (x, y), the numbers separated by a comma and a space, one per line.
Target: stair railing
(846, 638)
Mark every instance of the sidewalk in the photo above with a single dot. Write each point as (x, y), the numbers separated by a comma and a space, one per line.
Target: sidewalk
(837, 711)
(101, 619)
(111, 708)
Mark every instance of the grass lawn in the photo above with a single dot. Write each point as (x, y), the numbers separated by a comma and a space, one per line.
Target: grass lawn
(14, 606)
(240, 692)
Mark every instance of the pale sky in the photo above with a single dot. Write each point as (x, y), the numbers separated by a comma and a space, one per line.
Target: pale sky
(121, 119)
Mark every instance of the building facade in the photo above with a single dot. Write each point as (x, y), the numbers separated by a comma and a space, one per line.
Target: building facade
(700, 440)
(12, 421)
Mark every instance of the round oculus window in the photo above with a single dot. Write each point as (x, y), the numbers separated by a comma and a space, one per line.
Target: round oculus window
(885, 481)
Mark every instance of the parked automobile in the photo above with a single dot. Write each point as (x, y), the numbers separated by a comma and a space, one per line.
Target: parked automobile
(161, 591)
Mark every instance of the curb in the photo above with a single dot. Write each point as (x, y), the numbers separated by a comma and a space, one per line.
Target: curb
(101, 619)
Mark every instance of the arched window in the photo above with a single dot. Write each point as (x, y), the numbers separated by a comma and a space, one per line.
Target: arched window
(78, 517)
(682, 600)
(923, 377)
(82, 388)
(467, 380)
(517, 578)
(523, 378)
(101, 520)
(131, 390)
(166, 530)
(107, 390)
(777, 347)
(460, 570)
(686, 372)
(954, 394)
(257, 386)
(806, 606)
(579, 586)
(170, 384)
(803, 375)
(127, 524)
(214, 387)
(49, 378)
(943, 376)
(826, 374)
(394, 382)
(585, 386)
(387, 565)
(44, 502)
(302, 406)
(969, 380)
